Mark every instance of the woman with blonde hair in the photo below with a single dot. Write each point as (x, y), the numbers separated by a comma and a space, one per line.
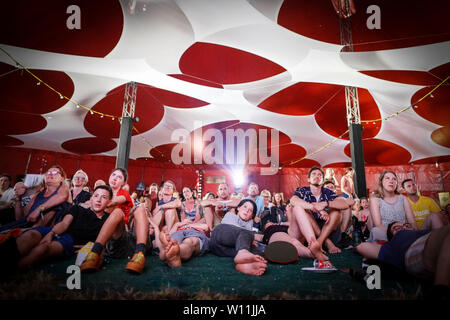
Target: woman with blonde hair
(387, 205)
(79, 181)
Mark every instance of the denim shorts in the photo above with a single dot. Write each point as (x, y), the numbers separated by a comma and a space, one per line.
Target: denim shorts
(64, 239)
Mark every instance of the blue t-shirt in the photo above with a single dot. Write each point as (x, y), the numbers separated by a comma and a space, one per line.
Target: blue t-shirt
(305, 194)
(259, 204)
(394, 251)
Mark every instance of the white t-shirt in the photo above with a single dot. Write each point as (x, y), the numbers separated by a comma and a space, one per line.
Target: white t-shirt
(233, 219)
(7, 196)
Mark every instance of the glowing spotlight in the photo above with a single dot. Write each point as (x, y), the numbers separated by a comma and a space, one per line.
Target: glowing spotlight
(238, 177)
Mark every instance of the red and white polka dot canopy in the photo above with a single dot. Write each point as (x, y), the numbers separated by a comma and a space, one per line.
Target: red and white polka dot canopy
(201, 64)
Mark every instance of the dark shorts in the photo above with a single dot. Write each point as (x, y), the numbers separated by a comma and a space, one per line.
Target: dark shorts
(124, 246)
(335, 235)
(180, 235)
(64, 239)
(273, 229)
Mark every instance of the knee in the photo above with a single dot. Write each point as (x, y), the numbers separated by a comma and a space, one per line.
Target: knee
(170, 214)
(139, 213)
(117, 215)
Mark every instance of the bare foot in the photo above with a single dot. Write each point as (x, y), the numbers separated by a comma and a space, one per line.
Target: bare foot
(332, 248)
(173, 253)
(253, 268)
(245, 256)
(164, 237)
(316, 250)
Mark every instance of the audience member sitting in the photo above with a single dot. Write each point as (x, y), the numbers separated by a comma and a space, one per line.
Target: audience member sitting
(317, 209)
(121, 198)
(427, 213)
(234, 238)
(388, 205)
(165, 211)
(134, 198)
(285, 231)
(41, 209)
(116, 242)
(347, 186)
(6, 192)
(189, 206)
(215, 209)
(182, 242)
(265, 195)
(422, 253)
(346, 217)
(331, 177)
(253, 194)
(79, 181)
(6, 200)
(78, 227)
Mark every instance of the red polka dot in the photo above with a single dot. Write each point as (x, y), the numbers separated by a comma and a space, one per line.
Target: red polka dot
(224, 65)
(148, 109)
(332, 117)
(89, 145)
(20, 92)
(318, 20)
(42, 25)
(434, 109)
(10, 141)
(381, 152)
(300, 99)
(442, 136)
(12, 123)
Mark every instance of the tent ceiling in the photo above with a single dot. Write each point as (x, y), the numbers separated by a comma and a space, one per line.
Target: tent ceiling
(201, 64)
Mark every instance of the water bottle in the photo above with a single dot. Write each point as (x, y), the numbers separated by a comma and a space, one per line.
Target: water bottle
(356, 239)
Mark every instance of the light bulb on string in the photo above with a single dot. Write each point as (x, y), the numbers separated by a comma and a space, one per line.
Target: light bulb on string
(61, 96)
(38, 84)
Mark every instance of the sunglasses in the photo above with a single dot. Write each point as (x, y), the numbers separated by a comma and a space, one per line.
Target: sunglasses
(53, 172)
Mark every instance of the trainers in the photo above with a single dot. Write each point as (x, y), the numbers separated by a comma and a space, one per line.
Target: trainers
(137, 263)
(14, 233)
(346, 242)
(93, 262)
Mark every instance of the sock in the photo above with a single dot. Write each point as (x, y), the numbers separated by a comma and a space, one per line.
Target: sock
(140, 247)
(97, 248)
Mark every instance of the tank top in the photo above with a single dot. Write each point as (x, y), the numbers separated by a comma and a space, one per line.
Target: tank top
(190, 214)
(40, 199)
(391, 212)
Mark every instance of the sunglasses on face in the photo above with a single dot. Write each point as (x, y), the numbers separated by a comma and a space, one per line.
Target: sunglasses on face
(168, 186)
(53, 172)
(80, 178)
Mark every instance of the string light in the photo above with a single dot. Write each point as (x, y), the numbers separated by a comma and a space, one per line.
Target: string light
(21, 67)
(40, 81)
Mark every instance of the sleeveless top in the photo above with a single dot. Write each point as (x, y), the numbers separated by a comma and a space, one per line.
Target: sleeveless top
(190, 214)
(40, 199)
(392, 212)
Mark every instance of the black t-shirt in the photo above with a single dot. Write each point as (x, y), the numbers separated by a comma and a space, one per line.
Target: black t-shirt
(82, 197)
(85, 225)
